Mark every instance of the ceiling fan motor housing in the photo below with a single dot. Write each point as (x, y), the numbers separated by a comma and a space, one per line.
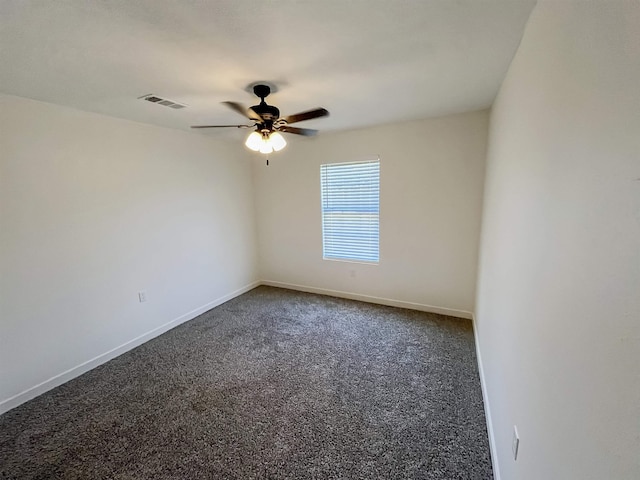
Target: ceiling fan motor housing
(267, 112)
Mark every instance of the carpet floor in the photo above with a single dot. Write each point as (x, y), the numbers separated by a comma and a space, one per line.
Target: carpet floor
(273, 384)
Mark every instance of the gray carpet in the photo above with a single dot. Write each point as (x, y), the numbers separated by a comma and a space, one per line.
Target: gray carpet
(273, 384)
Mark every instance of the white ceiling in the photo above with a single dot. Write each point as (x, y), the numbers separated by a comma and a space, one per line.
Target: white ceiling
(367, 61)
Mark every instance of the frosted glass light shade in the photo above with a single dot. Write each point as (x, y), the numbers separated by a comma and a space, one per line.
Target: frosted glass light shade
(266, 146)
(254, 141)
(277, 141)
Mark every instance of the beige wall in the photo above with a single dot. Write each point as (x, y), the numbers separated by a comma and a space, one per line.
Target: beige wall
(94, 209)
(431, 193)
(558, 311)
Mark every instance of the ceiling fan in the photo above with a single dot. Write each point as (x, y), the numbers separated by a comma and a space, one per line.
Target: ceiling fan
(268, 123)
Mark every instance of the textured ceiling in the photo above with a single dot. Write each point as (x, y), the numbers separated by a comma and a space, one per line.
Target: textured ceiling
(367, 61)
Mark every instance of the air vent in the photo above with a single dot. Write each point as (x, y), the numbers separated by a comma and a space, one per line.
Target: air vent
(162, 101)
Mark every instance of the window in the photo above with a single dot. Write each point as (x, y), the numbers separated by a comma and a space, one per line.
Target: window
(350, 211)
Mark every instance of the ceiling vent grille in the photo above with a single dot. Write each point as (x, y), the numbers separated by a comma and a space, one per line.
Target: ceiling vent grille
(162, 101)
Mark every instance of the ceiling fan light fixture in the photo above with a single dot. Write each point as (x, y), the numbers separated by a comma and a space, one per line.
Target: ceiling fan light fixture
(277, 141)
(254, 141)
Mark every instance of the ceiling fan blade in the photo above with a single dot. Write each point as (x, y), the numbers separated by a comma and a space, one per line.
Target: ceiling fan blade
(307, 132)
(242, 110)
(222, 126)
(301, 117)
(253, 115)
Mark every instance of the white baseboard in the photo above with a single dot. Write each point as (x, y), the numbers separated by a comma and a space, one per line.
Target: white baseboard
(487, 407)
(78, 370)
(368, 298)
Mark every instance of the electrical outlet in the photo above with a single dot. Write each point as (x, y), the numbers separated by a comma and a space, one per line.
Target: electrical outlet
(142, 296)
(352, 273)
(515, 443)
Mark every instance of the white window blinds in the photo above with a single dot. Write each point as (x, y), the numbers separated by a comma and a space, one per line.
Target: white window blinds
(350, 210)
